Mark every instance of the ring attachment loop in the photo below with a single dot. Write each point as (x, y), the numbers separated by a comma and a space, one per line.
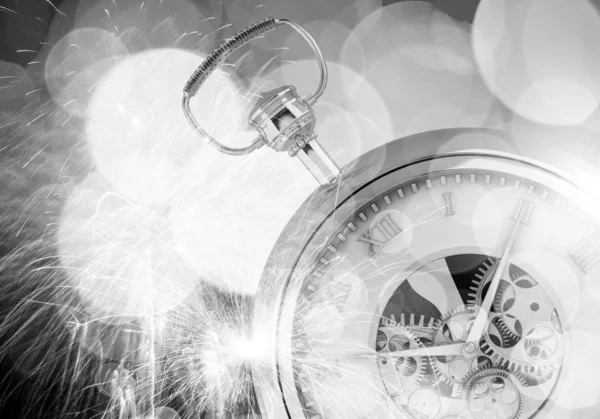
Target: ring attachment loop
(218, 55)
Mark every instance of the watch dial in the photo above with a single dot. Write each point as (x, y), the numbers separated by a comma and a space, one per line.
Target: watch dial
(407, 275)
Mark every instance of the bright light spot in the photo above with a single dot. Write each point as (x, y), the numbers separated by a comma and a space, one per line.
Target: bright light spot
(214, 365)
(539, 57)
(136, 130)
(119, 256)
(250, 349)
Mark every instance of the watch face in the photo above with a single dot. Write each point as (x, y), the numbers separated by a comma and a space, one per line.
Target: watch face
(377, 315)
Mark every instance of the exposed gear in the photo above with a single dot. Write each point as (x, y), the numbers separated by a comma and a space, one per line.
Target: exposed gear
(381, 341)
(424, 403)
(541, 343)
(534, 378)
(526, 334)
(400, 375)
(410, 381)
(493, 393)
(454, 327)
(419, 326)
(507, 324)
(480, 282)
(532, 358)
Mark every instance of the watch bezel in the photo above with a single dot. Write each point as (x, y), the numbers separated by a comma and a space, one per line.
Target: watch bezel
(307, 229)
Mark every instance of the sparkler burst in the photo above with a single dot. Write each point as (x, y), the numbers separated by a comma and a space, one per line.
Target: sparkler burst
(131, 251)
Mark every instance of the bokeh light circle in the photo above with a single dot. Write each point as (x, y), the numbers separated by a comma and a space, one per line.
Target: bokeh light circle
(539, 57)
(119, 256)
(418, 60)
(230, 211)
(550, 140)
(329, 35)
(77, 62)
(136, 130)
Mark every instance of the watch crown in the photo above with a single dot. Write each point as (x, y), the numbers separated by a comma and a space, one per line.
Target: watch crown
(281, 116)
(286, 122)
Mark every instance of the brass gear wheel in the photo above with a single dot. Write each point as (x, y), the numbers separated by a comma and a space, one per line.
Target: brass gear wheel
(493, 393)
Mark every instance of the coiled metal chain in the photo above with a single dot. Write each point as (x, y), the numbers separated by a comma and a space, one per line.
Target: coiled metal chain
(217, 56)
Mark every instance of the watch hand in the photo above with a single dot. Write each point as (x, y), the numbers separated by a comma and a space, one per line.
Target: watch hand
(444, 350)
(476, 332)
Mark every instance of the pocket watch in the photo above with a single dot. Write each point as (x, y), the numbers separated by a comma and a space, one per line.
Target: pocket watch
(439, 276)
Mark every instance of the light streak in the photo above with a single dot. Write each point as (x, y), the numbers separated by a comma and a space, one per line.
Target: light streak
(190, 345)
(9, 11)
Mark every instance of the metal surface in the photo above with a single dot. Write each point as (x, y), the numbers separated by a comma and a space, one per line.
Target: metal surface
(372, 173)
(282, 116)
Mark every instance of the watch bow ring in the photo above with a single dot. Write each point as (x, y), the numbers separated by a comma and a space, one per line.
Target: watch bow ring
(284, 120)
